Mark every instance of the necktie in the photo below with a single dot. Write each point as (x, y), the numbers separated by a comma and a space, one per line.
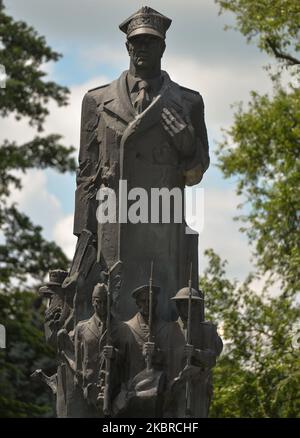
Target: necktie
(143, 99)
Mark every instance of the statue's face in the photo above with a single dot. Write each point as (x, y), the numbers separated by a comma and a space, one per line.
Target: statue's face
(183, 309)
(100, 305)
(145, 51)
(142, 303)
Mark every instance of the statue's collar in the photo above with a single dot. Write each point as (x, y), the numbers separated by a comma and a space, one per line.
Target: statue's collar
(154, 83)
(95, 325)
(117, 101)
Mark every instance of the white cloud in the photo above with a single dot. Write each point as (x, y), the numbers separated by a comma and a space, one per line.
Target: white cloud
(222, 234)
(259, 282)
(196, 26)
(104, 55)
(220, 87)
(210, 213)
(37, 202)
(66, 120)
(63, 235)
(45, 209)
(35, 199)
(61, 120)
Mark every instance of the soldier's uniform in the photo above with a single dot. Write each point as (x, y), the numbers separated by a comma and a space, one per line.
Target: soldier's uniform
(207, 347)
(116, 144)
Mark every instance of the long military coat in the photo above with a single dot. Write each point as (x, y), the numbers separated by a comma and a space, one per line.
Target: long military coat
(89, 358)
(208, 346)
(118, 144)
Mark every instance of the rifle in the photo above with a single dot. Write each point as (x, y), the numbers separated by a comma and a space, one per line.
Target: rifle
(106, 398)
(188, 342)
(150, 337)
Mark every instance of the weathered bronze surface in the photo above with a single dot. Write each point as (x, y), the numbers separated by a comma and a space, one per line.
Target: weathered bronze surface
(127, 320)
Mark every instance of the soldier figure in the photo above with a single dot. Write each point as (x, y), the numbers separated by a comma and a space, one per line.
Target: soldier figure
(205, 346)
(147, 347)
(143, 132)
(91, 353)
(53, 291)
(61, 383)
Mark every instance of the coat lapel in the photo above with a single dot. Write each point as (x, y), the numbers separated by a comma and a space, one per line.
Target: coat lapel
(116, 105)
(93, 326)
(119, 113)
(169, 96)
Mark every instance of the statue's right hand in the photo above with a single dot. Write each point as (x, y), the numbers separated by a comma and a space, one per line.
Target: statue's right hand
(108, 351)
(148, 348)
(90, 393)
(188, 351)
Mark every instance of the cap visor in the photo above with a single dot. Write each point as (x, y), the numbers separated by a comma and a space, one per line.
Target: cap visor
(53, 283)
(187, 298)
(44, 290)
(145, 31)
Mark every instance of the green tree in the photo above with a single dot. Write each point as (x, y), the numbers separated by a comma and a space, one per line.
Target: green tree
(25, 256)
(258, 372)
(273, 24)
(262, 147)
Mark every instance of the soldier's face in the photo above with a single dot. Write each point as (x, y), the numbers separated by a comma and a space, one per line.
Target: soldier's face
(183, 309)
(100, 306)
(145, 51)
(142, 303)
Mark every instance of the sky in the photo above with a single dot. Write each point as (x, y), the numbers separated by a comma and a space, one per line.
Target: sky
(200, 55)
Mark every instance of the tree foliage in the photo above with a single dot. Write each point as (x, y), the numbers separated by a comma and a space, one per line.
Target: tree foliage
(25, 255)
(258, 374)
(262, 147)
(24, 53)
(26, 351)
(275, 25)
(262, 150)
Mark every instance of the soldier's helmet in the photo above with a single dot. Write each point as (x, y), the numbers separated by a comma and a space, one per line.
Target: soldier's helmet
(146, 21)
(56, 279)
(144, 289)
(183, 294)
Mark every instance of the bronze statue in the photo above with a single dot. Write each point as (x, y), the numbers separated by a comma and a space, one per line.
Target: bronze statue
(55, 294)
(149, 132)
(56, 316)
(147, 357)
(122, 350)
(192, 361)
(92, 351)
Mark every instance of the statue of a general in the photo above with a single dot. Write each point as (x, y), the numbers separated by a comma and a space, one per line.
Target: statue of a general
(143, 139)
(149, 132)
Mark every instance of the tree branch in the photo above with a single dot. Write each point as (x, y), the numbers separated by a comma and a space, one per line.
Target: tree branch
(279, 54)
